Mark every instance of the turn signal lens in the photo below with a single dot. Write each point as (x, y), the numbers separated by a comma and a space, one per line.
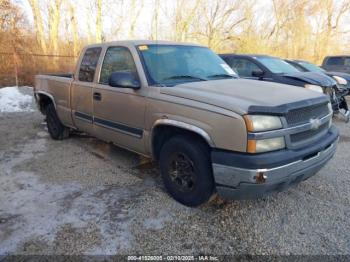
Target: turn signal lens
(251, 146)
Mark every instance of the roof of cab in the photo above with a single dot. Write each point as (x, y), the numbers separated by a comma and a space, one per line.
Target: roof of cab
(140, 42)
(342, 56)
(300, 61)
(244, 55)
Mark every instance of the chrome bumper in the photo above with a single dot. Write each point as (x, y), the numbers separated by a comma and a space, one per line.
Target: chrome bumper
(241, 183)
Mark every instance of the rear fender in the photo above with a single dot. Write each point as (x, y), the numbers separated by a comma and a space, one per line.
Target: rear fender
(42, 98)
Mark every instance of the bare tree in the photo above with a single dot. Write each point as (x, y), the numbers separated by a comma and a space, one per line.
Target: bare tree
(74, 27)
(218, 21)
(135, 13)
(155, 20)
(38, 24)
(185, 14)
(98, 4)
(308, 29)
(11, 37)
(54, 23)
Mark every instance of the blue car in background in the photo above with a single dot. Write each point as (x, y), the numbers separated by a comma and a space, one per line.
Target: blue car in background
(343, 79)
(274, 69)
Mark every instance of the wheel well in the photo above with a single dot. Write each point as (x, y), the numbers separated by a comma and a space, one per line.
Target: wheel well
(43, 101)
(162, 133)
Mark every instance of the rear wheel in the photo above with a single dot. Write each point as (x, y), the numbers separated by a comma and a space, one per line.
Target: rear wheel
(186, 170)
(56, 129)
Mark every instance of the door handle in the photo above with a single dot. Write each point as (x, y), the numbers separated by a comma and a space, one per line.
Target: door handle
(97, 96)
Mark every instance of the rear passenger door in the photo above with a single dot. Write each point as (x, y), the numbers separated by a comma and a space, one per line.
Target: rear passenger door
(119, 112)
(82, 90)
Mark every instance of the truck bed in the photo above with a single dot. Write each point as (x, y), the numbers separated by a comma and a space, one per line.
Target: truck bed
(66, 75)
(57, 86)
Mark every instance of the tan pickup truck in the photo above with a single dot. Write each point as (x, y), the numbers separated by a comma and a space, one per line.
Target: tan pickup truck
(183, 106)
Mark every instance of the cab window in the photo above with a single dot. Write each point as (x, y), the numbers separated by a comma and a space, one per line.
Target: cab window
(88, 64)
(300, 67)
(347, 61)
(335, 61)
(243, 67)
(117, 59)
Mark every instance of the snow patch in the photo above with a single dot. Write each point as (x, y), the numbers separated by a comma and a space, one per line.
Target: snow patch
(34, 208)
(157, 223)
(13, 100)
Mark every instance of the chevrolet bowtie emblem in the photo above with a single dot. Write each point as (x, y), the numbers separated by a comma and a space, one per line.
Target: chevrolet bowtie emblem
(315, 123)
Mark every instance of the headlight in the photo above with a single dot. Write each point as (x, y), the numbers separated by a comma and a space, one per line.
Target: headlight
(257, 123)
(314, 88)
(330, 109)
(265, 145)
(340, 80)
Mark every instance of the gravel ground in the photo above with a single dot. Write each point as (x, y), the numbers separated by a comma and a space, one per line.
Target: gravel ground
(83, 196)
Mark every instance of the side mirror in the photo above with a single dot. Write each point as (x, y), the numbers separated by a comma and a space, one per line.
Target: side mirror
(258, 73)
(124, 80)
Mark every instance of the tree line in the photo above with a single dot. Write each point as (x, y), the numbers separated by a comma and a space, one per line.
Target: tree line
(305, 29)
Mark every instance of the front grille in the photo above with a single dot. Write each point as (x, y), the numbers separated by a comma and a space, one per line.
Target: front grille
(295, 138)
(303, 115)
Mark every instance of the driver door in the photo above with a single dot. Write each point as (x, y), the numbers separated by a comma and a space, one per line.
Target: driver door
(119, 112)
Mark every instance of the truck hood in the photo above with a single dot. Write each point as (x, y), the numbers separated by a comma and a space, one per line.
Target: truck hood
(238, 95)
(312, 78)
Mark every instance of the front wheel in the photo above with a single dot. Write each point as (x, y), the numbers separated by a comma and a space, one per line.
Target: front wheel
(56, 129)
(185, 167)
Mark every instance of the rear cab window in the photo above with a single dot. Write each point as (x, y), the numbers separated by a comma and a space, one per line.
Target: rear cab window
(88, 64)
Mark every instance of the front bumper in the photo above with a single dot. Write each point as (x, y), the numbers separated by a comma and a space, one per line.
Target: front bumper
(235, 173)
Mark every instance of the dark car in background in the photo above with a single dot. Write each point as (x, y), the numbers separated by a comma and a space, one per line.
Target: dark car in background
(273, 69)
(337, 64)
(343, 79)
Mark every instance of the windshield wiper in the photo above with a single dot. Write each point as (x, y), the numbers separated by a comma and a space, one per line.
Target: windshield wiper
(185, 76)
(221, 75)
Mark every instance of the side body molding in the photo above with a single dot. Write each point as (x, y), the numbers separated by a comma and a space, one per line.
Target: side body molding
(186, 126)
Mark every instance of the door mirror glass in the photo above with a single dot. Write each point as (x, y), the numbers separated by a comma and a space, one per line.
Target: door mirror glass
(258, 73)
(124, 80)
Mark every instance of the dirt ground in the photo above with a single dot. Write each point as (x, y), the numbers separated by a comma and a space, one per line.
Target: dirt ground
(83, 196)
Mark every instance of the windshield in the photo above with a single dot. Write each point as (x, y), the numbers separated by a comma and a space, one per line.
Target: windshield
(311, 67)
(170, 65)
(276, 65)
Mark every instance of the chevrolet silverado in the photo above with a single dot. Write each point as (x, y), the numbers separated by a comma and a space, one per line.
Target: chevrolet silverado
(183, 106)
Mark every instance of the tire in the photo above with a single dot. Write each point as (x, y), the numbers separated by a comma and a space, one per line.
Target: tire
(56, 129)
(186, 170)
